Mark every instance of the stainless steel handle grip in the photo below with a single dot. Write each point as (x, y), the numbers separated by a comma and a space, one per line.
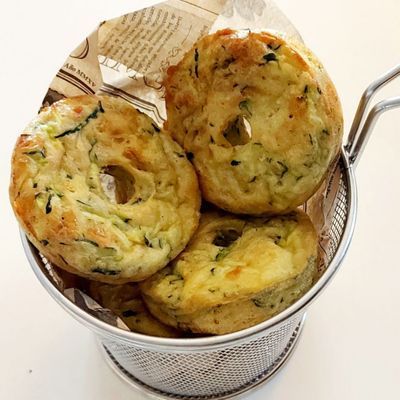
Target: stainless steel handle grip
(364, 123)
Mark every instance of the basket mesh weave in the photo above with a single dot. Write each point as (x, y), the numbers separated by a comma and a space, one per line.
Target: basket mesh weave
(205, 374)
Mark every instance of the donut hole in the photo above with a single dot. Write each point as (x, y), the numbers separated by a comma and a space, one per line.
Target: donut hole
(238, 131)
(117, 183)
(225, 237)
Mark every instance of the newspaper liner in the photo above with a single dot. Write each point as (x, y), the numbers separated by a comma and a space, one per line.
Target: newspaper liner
(127, 57)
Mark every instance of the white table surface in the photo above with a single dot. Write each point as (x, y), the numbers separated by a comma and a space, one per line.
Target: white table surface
(350, 345)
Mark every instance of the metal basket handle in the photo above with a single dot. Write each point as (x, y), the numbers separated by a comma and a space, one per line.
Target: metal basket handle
(363, 124)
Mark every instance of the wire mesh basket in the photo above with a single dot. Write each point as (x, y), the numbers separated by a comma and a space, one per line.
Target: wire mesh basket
(225, 366)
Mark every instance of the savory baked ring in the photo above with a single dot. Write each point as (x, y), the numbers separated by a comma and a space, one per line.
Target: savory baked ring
(102, 191)
(235, 273)
(126, 302)
(259, 118)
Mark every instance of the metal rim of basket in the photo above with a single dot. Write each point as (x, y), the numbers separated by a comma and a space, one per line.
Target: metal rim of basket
(360, 132)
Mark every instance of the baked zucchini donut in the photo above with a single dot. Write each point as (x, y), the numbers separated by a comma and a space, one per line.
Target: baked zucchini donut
(126, 302)
(101, 191)
(259, 118)
(235, 273)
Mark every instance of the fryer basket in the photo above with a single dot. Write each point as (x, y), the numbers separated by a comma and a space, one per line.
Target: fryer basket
(225, 366)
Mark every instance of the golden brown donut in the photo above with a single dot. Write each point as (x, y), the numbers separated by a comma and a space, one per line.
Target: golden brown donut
(259, 118)
(235, 273)
(63, 169)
